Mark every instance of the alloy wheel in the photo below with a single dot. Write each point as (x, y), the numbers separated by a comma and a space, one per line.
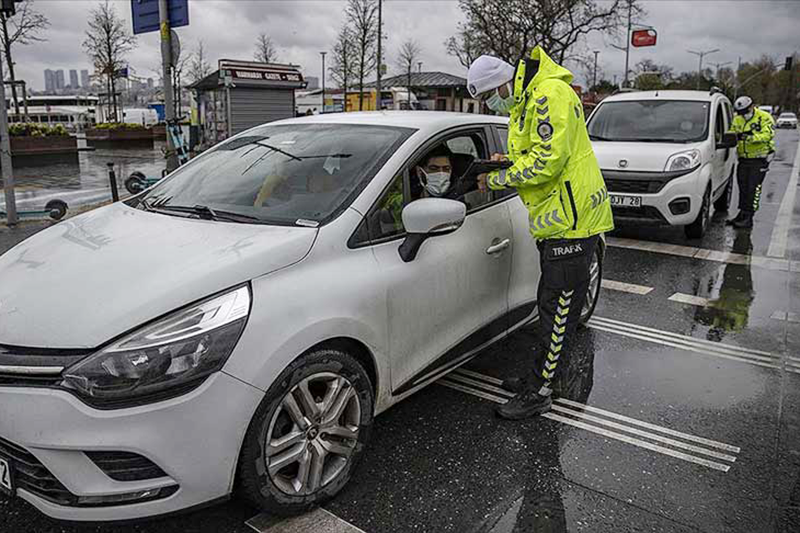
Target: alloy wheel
(313, 433)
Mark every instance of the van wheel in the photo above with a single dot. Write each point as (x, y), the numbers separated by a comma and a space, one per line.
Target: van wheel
(723, 202)
(308, 434)
(697, 229)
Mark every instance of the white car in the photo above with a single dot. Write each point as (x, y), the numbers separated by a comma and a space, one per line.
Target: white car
(786, 120)
(243, 321)
(666, 156)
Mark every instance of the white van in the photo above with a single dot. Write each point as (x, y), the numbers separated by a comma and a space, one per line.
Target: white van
(666, 156)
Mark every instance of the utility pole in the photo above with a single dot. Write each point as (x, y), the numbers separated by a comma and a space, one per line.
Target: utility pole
(419, 67)
(323, 81)
(5, 154)
(380, 57)
(166, 61)
(594, 76)
(628, 43)
(701, 54)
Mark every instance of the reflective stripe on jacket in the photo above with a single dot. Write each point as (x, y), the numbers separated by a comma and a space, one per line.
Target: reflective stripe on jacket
(555, 170)
(761, 141)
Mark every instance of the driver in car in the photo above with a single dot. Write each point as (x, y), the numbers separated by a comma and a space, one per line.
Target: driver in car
(435, 173)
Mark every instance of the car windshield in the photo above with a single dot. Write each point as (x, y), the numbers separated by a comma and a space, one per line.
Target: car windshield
(787, 115)
(668, 121)
(293, 174)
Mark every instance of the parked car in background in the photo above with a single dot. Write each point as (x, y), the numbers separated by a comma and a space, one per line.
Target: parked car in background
(240, 323)
(666, 156)
(786, 120)
(768, 108)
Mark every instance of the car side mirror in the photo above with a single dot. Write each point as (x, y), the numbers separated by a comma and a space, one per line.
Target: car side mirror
(728, 141)
(426, 218)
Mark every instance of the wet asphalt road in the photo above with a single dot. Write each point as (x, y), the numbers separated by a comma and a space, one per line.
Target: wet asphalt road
(676, 416)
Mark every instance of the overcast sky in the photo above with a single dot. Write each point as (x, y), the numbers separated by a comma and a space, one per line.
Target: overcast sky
(303, 28)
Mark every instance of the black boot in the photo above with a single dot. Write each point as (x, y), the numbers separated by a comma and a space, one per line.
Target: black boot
(745, 223)
(741, 216)
(526, 404)
(517, 385)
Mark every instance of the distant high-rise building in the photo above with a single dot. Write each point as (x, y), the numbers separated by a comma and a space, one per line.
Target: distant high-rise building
(49, 81)
(73, 79)
(85, 79)
(59, 75)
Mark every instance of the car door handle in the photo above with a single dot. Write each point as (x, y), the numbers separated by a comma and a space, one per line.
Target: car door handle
(498, 247)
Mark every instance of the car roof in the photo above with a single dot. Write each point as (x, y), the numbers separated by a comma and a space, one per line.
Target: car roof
(422, 120)
(704, 96)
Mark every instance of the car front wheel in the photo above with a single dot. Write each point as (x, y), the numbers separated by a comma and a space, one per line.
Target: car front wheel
(308, 434)
(697, 229)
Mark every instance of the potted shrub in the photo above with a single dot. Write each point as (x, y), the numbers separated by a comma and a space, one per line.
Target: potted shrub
(119, 133)
(32, 139)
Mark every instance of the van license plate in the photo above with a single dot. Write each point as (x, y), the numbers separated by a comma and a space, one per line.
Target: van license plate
(6, 479)
(625, 201)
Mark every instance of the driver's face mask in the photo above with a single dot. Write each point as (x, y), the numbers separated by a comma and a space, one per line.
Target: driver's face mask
(436, 183)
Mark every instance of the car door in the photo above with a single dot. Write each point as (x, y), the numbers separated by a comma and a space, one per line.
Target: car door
(525, 267)
(720, 161)
(452, 298)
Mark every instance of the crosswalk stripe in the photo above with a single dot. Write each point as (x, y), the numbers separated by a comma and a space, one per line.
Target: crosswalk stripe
(689, 299)
(625, 287)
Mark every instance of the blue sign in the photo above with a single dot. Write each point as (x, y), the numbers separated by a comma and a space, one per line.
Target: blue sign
(145, 14)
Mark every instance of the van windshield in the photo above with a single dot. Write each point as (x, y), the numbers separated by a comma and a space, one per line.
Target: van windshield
(667, 121)
(292, 174)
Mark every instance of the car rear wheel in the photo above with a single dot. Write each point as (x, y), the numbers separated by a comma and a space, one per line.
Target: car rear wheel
(308, 434)
(595, 279)
(697, 229)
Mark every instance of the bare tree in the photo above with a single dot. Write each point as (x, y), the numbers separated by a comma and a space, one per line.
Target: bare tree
(198, 67)
(406, 59)
(265, 49)
(107, 42)
(24, 27)
(362, 16)
(508, 29)
(342, 69)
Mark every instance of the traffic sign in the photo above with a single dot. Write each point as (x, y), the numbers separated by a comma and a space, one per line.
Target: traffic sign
(145, 14)
(644, 37)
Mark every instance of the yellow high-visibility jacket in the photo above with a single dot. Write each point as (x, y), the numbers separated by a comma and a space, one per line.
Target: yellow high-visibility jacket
(555, 170)
(761, 141)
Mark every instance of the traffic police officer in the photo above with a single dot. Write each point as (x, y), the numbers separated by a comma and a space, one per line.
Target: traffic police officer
(755, 130)
(559, 181)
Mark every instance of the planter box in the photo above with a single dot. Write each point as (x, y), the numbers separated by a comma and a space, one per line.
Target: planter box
(30, 151)
(119, 138)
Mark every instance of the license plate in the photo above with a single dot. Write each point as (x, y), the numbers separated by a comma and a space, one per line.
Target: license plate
(6, 477)
(625, 201)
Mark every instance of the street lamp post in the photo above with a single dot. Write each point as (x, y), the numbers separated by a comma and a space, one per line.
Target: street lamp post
(419, 66)
(701, 54)
(594, 76)
(378, 88)
(322, 110)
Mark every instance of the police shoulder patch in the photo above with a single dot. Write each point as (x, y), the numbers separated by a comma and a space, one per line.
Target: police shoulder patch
(545, 130)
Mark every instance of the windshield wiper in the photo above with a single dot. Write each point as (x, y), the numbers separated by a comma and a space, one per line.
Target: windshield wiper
(206, 213)
(599, 138)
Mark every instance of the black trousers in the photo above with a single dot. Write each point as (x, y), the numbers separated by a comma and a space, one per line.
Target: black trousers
(563, 286)
(750, 176)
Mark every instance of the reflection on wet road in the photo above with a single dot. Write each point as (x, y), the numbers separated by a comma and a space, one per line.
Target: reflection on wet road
(679, 410)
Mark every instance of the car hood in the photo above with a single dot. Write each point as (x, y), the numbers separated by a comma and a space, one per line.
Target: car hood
(89, 279)
(638, 157)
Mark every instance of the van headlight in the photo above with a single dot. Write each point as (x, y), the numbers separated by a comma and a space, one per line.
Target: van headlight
(688, 160)
(164, 358)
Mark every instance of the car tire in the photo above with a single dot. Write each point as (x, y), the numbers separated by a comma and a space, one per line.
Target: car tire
(724, 202)
(282, 480)
(698, 228)
(595, 279)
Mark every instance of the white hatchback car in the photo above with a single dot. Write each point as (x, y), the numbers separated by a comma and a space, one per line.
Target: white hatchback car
(666, 156)
(243, 321)
(787, 120)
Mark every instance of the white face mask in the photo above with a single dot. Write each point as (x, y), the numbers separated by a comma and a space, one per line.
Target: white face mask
(436, 183)
(749, 115)
(499, 104)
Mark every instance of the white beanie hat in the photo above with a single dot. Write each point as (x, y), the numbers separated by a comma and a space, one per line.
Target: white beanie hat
(487, 73)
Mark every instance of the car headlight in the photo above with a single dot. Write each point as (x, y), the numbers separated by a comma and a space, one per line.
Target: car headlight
(687, 160)
(163, 358)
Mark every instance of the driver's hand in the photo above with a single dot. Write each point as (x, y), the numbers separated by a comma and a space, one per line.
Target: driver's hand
(499, 157)
(482, 182)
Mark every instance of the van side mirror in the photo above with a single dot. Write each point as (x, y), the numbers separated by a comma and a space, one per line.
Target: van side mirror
(728, 140)
(426, 218)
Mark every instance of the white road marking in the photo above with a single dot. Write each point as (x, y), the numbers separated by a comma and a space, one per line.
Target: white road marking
(783, 315)
(625, 287)
(484, 386)
(769, 263)
(317, 521)
(689, 299)
(780, 232)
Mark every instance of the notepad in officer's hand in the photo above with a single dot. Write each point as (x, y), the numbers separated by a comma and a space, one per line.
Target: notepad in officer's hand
(482, 166)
